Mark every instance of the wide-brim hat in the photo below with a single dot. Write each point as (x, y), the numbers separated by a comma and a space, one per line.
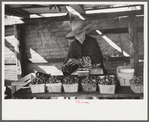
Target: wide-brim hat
(79, 26)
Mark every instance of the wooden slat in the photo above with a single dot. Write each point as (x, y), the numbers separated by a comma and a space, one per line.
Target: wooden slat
(44, 10)
(10, 72)
(46, 19)
(101, 24)
(17, 52)
(16, 12)
(78, 8)
(107, 60)
(88, 17)
(109, 6)
(113, 15)
(114, 31)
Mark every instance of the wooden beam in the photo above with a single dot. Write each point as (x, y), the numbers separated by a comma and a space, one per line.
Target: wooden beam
(109, 25)
(59, 60)
(18, 63)
(114, 31)
(16, 12)
(91, 17)
(78, 8)
(113, 15)
(121, 92)
(133, 36)
(45, 19)
(111, 6)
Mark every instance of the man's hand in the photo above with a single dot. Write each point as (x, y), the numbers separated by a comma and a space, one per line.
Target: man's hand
(73, 61)
(65, 68)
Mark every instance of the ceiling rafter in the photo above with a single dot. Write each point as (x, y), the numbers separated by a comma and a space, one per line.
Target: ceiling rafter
(78, 8)
(25, 10)
(16, 12)
(89, 17)
(98, 7)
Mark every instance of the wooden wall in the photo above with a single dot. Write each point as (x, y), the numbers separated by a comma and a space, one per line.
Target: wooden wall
(45, 41)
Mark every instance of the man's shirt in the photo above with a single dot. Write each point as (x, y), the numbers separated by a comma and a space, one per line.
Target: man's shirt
(89, 48)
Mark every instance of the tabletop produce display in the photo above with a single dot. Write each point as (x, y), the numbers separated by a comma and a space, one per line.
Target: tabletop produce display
(45, 85)
(136, 84)
(70, 84)
(54, 84)
(107, 84)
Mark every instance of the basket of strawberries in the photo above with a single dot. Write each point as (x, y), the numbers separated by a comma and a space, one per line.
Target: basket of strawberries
(89, 83)
(136, 84)
(107, 84)
(84, 70)
(70, 83)
(54, 84)
(37, 85)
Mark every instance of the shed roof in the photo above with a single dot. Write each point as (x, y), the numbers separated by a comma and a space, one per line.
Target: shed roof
(41, 10)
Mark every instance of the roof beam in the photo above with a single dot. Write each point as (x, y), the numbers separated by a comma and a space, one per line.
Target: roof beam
(97, 6)
(78, 8)
(87, 17)
(16, 12)
(45, 19)
(113, 15)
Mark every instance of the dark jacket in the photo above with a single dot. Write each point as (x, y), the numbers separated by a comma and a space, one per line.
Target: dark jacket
(89, 48)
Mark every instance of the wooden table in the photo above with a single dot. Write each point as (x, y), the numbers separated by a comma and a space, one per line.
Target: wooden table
(122, 92)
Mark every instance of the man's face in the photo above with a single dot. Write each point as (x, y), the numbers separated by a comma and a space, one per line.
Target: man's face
(80, 36)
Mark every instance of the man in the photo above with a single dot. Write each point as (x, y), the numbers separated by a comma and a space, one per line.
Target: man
(83, 46)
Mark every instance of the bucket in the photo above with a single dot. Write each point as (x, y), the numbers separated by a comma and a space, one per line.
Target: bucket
(70, 87)
(124, 74)
(136, 88)
(107, 89)
(55, 87)
(89, 86)
(37, 88)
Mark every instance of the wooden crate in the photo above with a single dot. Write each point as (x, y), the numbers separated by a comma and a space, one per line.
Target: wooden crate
(15, 86)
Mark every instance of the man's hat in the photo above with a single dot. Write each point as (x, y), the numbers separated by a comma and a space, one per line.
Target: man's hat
(79, 26)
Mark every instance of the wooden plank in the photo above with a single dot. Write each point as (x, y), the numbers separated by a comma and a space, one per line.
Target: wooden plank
(60, 33)
(113, 31)
(17, 52)
(88, 17)
(110, 6)
(121, 92)
(16, 12)
(113, 15)
(45, 19)
(107, 60)
(78, 8)
(46, 9)
(104, 25)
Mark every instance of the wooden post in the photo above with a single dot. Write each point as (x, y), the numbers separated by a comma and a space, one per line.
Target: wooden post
(17, 52)
(133, 37)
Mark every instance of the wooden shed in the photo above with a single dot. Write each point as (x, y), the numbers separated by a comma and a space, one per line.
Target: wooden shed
(35, 36)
